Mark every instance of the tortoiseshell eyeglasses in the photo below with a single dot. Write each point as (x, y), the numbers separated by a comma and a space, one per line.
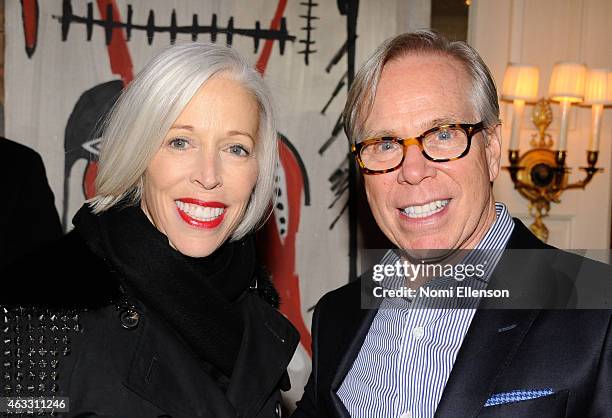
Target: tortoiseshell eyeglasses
(440, 144)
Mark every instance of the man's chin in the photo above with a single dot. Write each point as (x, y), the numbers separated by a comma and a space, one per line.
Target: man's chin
(427, 255)
(426, 248)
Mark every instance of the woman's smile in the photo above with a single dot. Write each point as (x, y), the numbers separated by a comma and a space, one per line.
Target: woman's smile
(201, 214)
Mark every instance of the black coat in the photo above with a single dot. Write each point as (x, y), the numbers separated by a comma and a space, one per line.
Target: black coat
(28, 217)
(112, 356)
(504, 350)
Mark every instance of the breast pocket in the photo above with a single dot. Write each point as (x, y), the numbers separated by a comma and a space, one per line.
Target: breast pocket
(549, 406)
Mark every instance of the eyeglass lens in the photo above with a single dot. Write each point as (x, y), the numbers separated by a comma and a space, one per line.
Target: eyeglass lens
(386, 153)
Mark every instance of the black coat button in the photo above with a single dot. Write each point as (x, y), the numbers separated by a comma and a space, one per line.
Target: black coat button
(278, 410)
(129, 318)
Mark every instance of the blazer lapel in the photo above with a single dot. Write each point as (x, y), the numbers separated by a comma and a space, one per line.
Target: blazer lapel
(346, 362)
(495, 334)
(350, 341)
(489, 346)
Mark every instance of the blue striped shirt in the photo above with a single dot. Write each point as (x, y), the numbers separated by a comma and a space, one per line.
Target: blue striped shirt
(408, 354)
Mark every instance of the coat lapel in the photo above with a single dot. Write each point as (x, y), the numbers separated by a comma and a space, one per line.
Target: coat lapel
(268, 344)
(170, 376)
(166, 373)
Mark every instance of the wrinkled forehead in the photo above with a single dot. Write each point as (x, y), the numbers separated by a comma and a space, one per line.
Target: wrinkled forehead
(417, 92)
(427, 67)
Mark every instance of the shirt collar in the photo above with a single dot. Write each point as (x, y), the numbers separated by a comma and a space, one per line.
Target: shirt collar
(499, 233)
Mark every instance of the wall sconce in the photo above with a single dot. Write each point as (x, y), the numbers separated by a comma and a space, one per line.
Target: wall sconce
(540, 174)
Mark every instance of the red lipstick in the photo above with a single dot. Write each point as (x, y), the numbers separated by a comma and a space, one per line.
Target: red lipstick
(213, 223)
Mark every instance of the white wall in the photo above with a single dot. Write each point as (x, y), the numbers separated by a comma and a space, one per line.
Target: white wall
(541, 32)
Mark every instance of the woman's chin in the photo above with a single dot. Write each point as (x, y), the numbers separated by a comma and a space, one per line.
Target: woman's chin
(195, 249)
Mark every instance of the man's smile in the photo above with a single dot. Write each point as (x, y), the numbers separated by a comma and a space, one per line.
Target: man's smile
(425, 210)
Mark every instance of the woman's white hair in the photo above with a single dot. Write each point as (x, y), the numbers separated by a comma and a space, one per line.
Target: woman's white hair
(138, 122)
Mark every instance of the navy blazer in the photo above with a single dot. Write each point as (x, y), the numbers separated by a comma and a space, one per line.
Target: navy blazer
(505, 350)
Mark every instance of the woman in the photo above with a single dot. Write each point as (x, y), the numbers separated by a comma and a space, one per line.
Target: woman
(153, 304)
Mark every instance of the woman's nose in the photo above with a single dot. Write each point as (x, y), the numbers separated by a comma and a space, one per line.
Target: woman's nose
(206, 172)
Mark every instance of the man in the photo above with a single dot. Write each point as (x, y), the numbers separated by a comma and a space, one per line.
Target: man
(423, 120)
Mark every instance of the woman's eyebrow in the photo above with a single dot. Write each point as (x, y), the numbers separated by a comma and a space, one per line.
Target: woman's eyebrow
(186, 127)
(235, 133)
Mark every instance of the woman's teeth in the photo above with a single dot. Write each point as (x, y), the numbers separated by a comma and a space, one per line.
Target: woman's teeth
(425, 210)
(201, 213)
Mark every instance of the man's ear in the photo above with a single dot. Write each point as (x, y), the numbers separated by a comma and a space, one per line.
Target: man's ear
(493, 150)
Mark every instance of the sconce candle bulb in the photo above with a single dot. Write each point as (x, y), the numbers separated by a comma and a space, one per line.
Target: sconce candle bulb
(565, 107)
(596, 114)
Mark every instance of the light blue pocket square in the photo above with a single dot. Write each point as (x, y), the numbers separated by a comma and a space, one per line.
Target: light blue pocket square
(517, 396)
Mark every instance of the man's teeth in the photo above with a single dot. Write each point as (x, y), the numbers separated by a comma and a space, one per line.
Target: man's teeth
(201, 213)
(427, 209)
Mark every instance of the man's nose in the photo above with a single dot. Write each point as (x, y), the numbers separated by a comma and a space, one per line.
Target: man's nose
(415, 167)
(206, 170)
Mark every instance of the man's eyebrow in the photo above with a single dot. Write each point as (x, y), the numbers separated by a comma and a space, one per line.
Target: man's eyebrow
(376, 134)
(421, 127)
(445, 120)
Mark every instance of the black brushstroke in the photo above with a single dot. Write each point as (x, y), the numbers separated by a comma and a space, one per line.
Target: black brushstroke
(173, 27)
(338, 195)
(334, 135)
(338, 55)
(214, 29)
(335, 93)
(308, 42)
(66, 11)
(89, 24)
(331, 226)
(109, 24)
(257, 27)
(194, 26)
(339, 181)
(150, 27)
(338, 174)
(128, 27)
(339, 188)
(229, 35)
